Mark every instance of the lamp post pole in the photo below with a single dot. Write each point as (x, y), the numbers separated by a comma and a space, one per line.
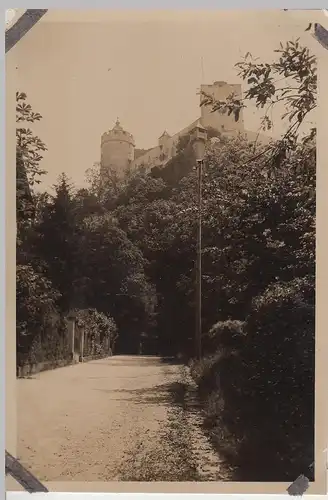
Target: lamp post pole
(198, 336)
(199, 142)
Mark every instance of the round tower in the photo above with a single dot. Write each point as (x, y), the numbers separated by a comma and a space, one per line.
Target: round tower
(117, 149)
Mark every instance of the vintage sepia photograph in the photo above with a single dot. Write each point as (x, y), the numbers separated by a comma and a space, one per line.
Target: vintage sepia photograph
(166, 245)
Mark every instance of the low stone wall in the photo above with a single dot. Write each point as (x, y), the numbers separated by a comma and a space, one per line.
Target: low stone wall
(85, 359)
(33, 368)
(95, 356)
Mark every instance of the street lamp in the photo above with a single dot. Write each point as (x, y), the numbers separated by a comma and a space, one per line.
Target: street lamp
(199, 137)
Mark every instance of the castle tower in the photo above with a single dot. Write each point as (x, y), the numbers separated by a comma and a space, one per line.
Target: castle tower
(165, 144)
(222, 122)
(163, 139)
(117, 150)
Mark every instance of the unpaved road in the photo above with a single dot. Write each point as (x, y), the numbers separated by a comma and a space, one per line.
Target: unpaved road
(109, 420)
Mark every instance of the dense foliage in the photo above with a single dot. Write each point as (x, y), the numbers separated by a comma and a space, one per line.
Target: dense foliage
(261, 377)
(49, 283)
(258, 373)
(122, 252)
(100, 332)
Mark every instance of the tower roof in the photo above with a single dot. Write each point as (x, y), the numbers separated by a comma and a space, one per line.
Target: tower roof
(117, 133)
(118, 125)
(165, 134)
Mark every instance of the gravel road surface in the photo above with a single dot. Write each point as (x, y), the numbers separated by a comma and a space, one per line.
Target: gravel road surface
(112, 419)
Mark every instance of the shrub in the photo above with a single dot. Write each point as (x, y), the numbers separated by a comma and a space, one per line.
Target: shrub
(100, 331)
(51, 343)
(259, 398)
(201, 369)
(228, 334)
(37, 319)
(279, 362)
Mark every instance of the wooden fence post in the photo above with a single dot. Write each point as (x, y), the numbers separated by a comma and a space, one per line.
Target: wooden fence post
(81, 343)
(71, 334)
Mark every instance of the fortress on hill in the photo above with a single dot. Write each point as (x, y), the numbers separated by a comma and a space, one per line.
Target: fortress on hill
(118, 149)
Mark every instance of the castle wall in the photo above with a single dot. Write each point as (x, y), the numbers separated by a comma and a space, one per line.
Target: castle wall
(151, 158)
(165, 151)
(120, 154)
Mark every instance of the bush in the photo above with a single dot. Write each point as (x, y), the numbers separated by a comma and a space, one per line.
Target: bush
(51, 344)
(259, 397)
(201, 369)
(228, 334)
(39, 327)
(100, 332)
(279, 363)
(215, 375)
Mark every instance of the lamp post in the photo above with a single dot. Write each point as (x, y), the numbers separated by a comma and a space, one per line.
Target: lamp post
(199, 137)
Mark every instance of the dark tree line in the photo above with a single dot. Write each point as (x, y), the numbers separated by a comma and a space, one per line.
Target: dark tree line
(125, 249)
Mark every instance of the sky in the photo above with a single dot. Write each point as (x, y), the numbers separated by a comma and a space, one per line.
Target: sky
(83, 69)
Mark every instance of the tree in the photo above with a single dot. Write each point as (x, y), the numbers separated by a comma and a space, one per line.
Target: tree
(260, 268)
(86, 204)
(258, 293)
(178, 166)
(57, 242)
(29, 149)
(39, 328)
(114, 280)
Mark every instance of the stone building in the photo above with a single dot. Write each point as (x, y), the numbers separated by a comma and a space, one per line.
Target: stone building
(118, 148)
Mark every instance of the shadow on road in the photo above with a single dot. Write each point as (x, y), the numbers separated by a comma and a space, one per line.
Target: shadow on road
(174, 394)
(171, 360)
(126, 361)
